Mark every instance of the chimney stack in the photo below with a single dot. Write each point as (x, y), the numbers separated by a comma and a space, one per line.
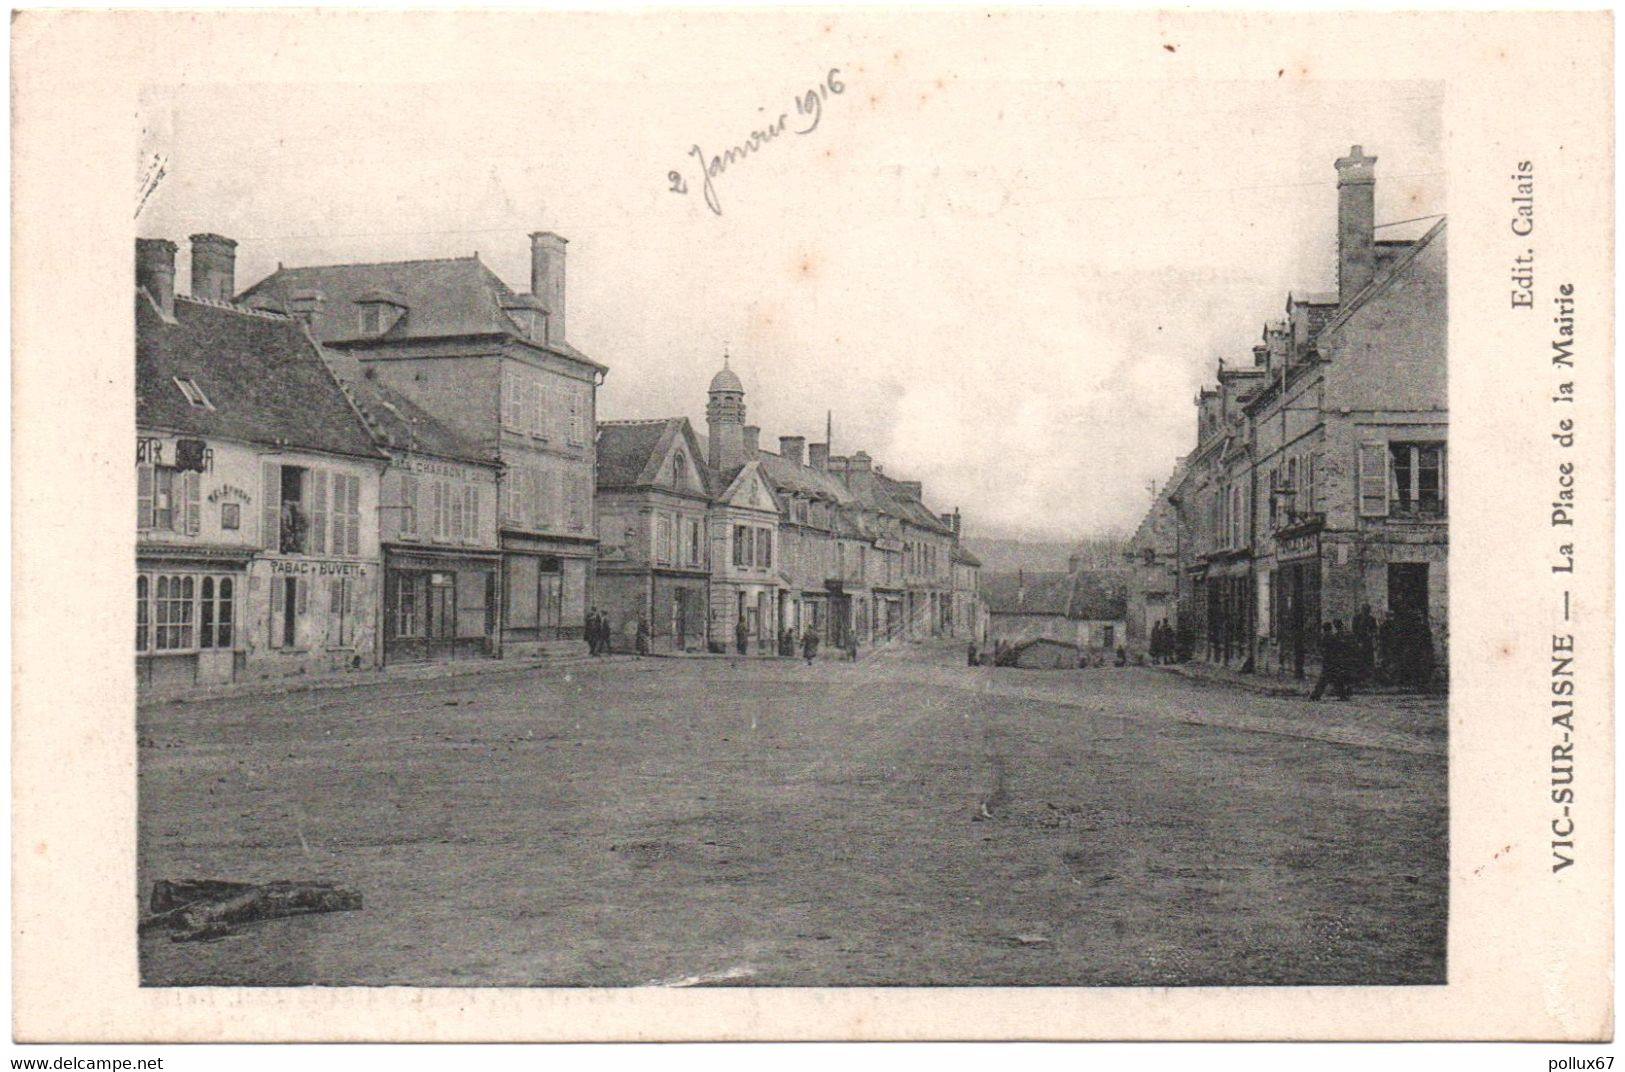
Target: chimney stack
(305, 304)
(1356, 221)
(214, 267)
(791, 448)
(860, 462)
(818, 455)
(913, 489)
(155, 272)
(547, 279)
(753, 439)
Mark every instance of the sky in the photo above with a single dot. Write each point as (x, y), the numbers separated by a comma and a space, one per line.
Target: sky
(1007, 287)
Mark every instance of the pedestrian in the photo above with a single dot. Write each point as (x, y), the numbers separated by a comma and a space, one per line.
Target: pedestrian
(970, 654)
(1159, 642)
(741, 635)
(1365, 640)
(595, 632)
(852, 645)
(1333, 662)
(1385, 650)
(809, 645)
(643, 636)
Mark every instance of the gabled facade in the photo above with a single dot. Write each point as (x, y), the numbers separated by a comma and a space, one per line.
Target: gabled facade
(257, 543)
(748, 578)
(494, 366)
(654, 557)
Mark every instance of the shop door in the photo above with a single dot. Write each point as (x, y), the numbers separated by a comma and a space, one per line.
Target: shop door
(1408, 589)
(441, 615)
(680, 617)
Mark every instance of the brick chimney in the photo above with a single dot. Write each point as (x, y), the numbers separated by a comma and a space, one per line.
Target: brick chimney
(753, 439)
(1356, 220)
(155, 272)
(791, 448)
(818, 455)
(305, 304)
(860, 462)
(214, 267)
(547, 279)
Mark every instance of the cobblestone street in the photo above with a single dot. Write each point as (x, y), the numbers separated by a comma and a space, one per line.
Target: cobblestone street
(902, 820)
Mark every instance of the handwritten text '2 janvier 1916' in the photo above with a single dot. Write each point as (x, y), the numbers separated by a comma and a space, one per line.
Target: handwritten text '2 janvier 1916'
(809, 112)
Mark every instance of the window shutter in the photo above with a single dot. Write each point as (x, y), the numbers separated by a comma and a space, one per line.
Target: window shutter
(409, 504)
(143, 497)
(472, 532)
(278, 610)
(1374, 479)
(301, 588)
(335, 595)
(316, 493)
(352, 545)
(193, 523)
(270, 506)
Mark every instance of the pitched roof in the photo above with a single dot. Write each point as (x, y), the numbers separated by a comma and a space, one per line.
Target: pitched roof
(1382, 282)
(1028, 592)
(455, 296)
(963, 556)
(261, 373)
(398, 422)
(1099, 596)
(627, 449)
(786, 476)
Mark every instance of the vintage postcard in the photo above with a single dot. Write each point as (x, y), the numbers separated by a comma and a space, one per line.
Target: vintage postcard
(932, 524)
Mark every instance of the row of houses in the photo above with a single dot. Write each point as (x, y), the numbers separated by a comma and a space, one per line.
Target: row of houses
(1315, 493)
(349, 465)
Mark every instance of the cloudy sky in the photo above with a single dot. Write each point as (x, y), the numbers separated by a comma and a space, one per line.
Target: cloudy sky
(1005, 285)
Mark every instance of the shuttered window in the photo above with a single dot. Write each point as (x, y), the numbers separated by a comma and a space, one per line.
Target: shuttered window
(270, 500)
(1374, 479)
(409, 504)
(316, 506)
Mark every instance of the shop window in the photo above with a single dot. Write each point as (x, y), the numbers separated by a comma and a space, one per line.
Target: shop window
(173, 612)
(216, 612)
(142, 624)
(288, 599)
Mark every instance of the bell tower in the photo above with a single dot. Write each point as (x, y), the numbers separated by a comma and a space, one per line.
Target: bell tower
(725, 419)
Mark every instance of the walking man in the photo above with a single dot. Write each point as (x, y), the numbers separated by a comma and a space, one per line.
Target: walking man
(741, 635)
(809, 644)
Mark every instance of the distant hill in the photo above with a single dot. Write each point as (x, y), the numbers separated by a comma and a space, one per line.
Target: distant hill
(1009, 555)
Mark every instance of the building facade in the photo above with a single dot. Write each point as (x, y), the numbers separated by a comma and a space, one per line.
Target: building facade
(257, 547)
(1316, 493)
(654, 537)
(493, 365)
(437, 526)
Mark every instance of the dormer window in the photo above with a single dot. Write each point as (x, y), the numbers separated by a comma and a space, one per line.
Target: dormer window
(194, 394)
(379, 310)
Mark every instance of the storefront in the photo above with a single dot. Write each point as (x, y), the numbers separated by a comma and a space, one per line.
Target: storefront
(544, 594)
(1297, 600)
(440, 607)
(188, 614)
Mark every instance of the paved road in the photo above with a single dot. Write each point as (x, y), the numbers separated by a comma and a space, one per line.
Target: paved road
(905, 820)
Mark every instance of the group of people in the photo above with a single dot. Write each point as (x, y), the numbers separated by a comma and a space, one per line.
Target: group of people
(1164, 643)
(1398, 650)
(598, 631)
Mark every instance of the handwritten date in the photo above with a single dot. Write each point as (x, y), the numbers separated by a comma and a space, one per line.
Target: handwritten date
(809, 113)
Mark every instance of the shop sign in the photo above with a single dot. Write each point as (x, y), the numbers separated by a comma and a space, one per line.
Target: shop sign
(430, 467)
(1305, 546)
(306, 568)
(230, 493)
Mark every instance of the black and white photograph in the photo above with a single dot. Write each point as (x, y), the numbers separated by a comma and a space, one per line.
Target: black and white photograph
(553, 610)
(852, 517)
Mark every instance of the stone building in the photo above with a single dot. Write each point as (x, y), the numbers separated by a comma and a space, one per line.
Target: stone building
(493, 365)
(257, 543)
(1317, 486)
(438, 529)
(654, 536)
(1152, 557)
(1086, 609)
